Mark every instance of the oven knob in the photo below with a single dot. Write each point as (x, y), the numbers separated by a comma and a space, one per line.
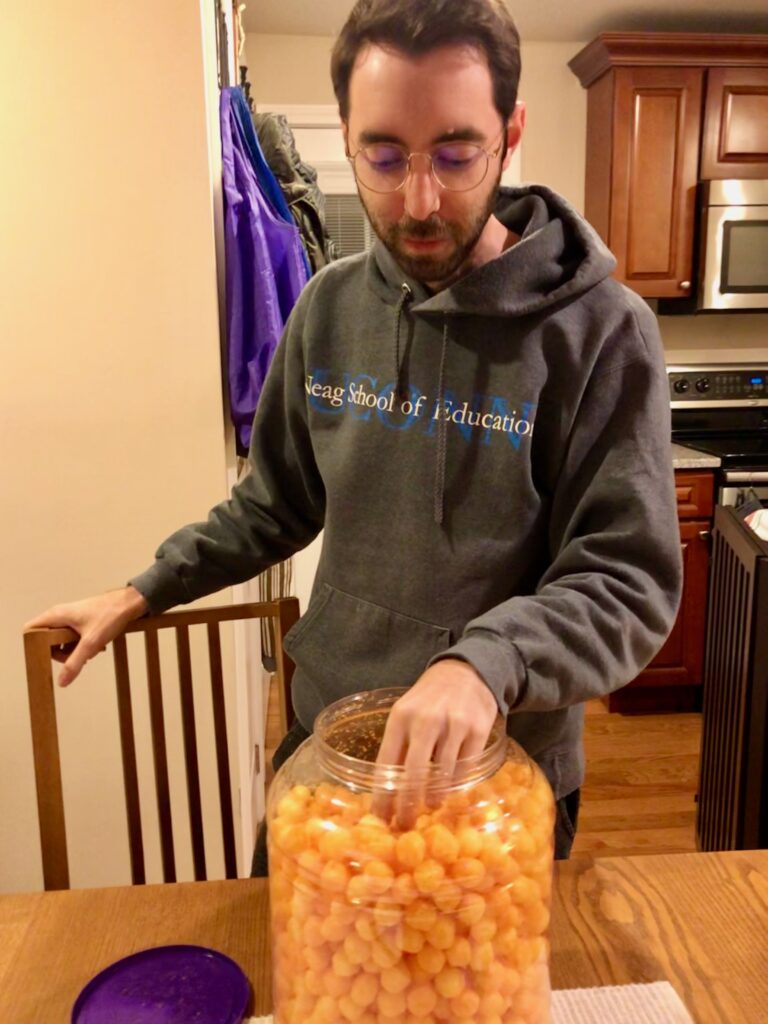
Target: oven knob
(681, 386)
(702, 385)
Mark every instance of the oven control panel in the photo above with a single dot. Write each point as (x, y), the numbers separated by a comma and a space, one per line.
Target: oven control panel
(721, 385)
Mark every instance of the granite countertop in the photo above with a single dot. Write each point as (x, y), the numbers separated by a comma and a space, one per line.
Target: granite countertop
(688, 458)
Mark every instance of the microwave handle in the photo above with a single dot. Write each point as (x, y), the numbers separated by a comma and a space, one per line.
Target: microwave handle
(745, 477)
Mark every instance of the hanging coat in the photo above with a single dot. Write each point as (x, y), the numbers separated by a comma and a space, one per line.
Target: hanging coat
(266, 266)
(298, 181)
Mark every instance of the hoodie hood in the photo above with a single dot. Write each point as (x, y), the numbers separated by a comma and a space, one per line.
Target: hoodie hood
(558, 257)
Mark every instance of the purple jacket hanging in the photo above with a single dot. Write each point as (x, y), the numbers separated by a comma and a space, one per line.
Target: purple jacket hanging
(265, 272)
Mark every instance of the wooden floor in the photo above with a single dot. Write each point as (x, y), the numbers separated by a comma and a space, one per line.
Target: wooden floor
(640, 790)
(642, 772)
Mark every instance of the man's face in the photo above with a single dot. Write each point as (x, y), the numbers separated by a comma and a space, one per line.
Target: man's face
(419, 103)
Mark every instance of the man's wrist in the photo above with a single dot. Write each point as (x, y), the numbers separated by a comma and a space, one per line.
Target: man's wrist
(134, 602)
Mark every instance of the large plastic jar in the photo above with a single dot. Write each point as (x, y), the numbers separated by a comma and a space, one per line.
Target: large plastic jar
(417, 903)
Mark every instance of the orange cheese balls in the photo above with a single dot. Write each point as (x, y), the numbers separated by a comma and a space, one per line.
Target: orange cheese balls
(421, 915)
(430, 959)
(410, 848)
(443, 846)
(449, 982)
(421, 1000)
(411, 940)
(428, 876)
(443, 922)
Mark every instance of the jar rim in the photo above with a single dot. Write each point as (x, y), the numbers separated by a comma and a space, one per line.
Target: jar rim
(369, 775)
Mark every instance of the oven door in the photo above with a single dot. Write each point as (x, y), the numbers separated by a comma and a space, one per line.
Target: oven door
(734, 270)
(738, 486)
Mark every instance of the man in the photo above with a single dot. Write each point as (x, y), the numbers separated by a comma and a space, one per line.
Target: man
(474, 412)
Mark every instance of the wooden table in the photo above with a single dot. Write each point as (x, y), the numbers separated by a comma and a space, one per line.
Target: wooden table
(698, 920)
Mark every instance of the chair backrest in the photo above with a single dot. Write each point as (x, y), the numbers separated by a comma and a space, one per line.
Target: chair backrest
(38, 644)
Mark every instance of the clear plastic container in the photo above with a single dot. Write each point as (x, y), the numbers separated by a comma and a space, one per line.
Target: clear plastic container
(417, 903)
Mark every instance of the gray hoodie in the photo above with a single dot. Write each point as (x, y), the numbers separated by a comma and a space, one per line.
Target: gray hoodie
(491, 467)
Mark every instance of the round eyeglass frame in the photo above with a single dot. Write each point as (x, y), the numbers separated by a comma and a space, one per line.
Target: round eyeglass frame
(489, 154)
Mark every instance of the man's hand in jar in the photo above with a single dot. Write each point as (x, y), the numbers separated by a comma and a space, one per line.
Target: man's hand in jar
(446, 715)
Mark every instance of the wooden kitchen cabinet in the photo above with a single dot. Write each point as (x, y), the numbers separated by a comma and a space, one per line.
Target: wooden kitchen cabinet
(672, 681)
(665, 111)
(646, 211)
(735, 139)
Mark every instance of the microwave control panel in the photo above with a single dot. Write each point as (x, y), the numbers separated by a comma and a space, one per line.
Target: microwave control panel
(716, 385)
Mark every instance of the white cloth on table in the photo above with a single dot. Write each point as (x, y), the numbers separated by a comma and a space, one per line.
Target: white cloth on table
(759, 522)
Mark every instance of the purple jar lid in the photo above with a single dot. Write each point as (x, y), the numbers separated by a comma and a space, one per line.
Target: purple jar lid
(166, 985)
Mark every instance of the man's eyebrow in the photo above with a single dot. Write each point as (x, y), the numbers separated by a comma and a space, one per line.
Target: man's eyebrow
(468, 134)
(370, 138)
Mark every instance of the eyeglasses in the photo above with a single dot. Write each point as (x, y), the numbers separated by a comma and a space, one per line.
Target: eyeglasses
(455, 166)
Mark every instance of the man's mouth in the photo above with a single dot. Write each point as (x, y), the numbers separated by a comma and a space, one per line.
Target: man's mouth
(425, 244)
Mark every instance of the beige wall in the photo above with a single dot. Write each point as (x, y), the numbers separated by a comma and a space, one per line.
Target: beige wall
(289, 69)
(295, 69)
(554, 142)
(715, 338)
(111, 423)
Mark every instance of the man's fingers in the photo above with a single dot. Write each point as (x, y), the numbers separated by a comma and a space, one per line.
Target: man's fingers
(421, 747)
(390, 752)
(49, 619)
(447, 753)
(71, 668)
(472, 745)
(82, 654)
(392, 746)
(448, 750)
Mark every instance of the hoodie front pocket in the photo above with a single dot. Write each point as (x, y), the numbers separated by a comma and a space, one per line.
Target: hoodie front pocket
(345, 644)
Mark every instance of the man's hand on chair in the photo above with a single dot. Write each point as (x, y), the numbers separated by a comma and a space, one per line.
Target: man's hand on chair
(98, 620)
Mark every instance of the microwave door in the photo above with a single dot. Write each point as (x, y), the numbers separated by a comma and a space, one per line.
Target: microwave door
(735, 264)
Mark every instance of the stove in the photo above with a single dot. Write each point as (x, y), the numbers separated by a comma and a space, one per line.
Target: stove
(722, 409)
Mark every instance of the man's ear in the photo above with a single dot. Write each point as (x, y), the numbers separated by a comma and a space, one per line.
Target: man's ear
(515, 128)
(345, 135)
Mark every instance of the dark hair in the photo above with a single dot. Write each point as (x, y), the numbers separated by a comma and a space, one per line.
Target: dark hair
(416, 27)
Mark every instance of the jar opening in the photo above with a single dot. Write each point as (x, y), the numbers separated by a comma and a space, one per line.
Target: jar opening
(348, 736)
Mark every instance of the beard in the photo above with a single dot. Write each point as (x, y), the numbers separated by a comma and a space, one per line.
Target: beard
(428, 267)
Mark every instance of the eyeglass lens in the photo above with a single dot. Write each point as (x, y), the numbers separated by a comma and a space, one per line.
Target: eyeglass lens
(457, 166)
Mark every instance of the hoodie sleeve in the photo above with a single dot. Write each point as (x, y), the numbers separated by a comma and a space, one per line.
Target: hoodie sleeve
(608, 600)
(274, 511)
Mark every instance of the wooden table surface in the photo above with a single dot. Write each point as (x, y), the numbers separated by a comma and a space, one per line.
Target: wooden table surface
(699, 921)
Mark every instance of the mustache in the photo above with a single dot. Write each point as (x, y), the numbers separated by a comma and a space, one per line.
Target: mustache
(431, 228)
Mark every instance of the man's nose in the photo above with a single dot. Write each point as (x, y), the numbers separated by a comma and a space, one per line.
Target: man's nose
(422, 192)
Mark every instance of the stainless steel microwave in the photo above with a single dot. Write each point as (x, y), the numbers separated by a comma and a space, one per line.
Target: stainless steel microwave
(733, 270)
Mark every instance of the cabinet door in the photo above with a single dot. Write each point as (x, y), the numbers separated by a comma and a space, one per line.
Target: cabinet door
(680, 662)
(735, 139)
(656, 127)
(669, 682)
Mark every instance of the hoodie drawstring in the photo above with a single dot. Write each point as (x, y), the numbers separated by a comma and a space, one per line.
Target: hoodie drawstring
(442, 432)
(442, 422)
(405, 295)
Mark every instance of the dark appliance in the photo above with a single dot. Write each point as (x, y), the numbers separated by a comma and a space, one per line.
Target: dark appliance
(733, 783)
(733, 266)
(722, 409)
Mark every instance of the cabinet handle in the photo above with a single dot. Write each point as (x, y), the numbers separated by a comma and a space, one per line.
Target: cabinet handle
(705, 534)
(685, 285)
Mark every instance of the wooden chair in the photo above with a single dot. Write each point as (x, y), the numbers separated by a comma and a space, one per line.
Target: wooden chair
(38, 644)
